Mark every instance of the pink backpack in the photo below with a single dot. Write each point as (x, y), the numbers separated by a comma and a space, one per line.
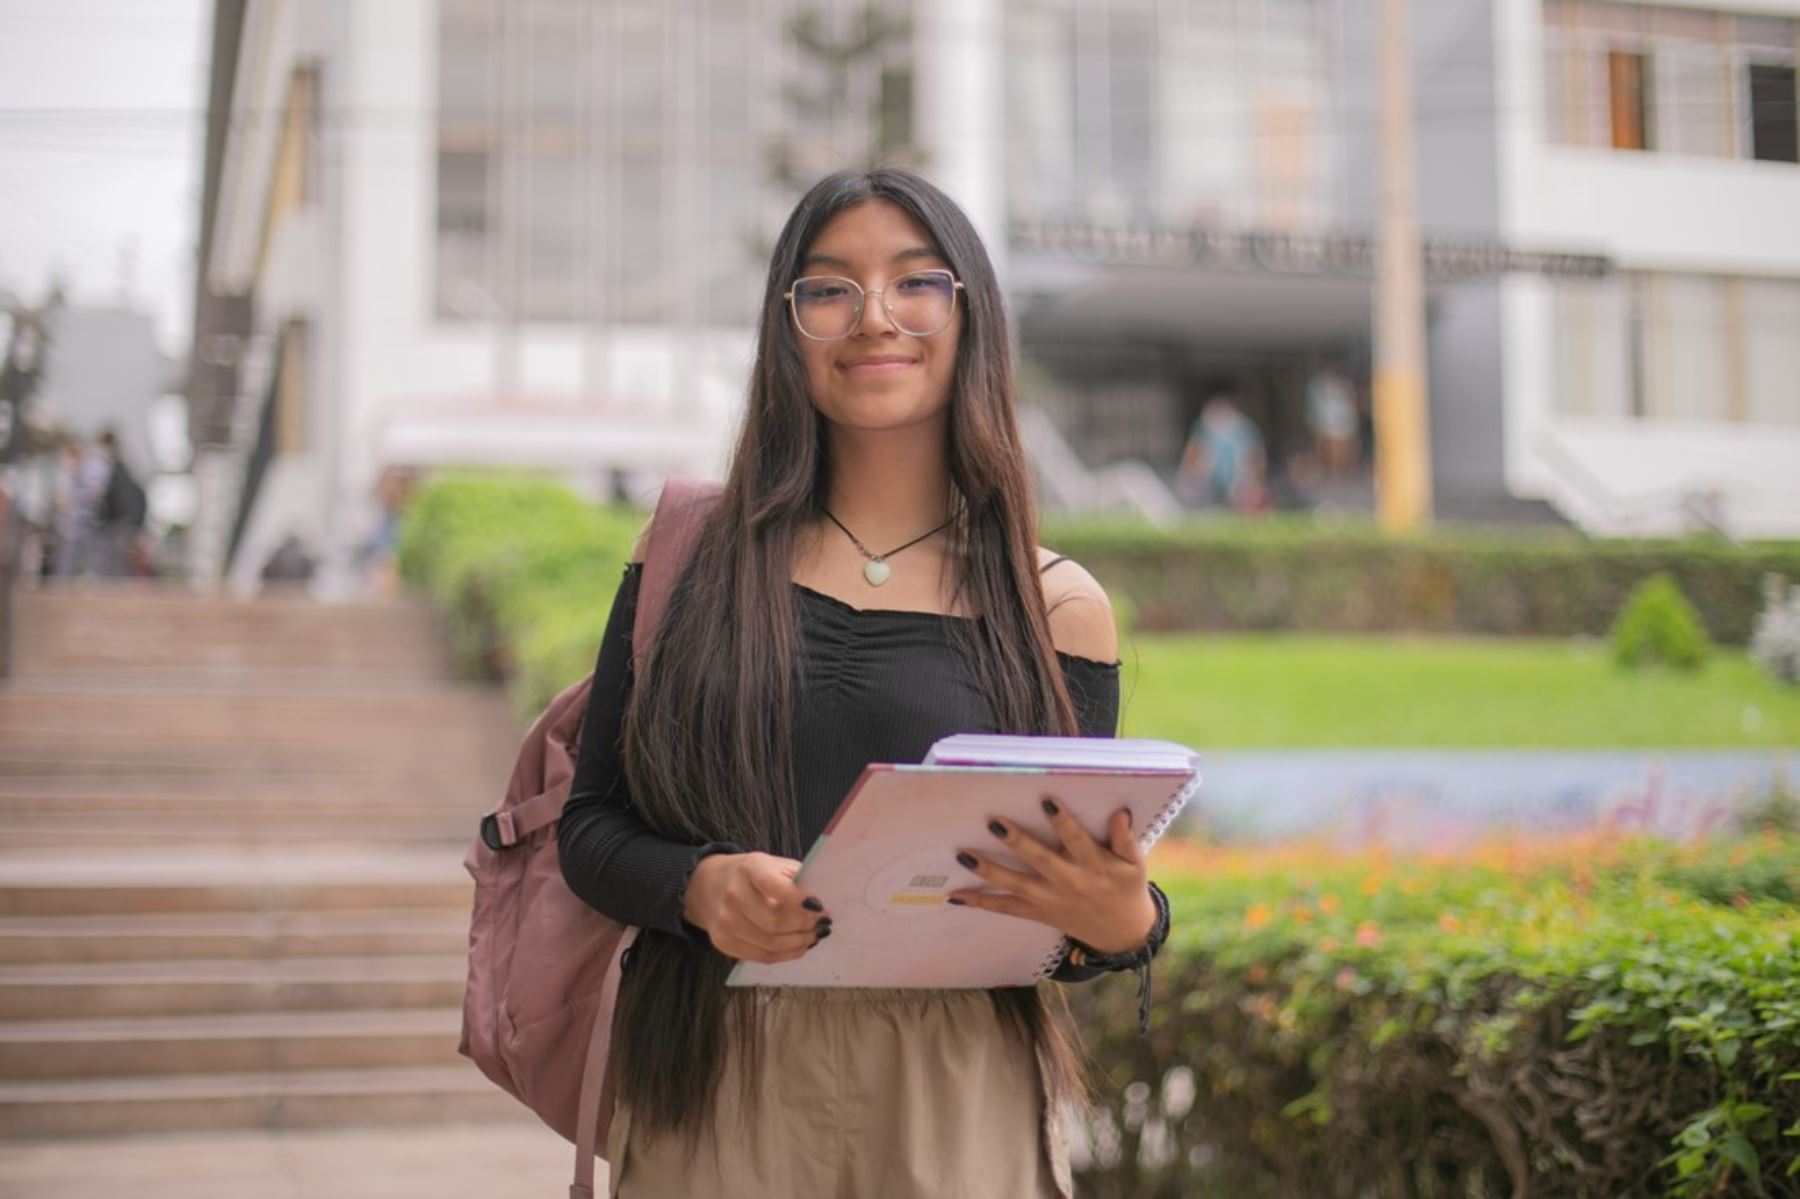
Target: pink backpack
(543, 965)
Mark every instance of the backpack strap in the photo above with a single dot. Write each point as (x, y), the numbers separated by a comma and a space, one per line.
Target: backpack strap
(680, 512)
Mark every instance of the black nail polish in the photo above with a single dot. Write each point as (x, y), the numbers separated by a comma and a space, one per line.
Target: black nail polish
(967, 860)
(823, 933)
(812, 905)
(954, 902)
(822, 923)
(996, 828)
(1049, 806)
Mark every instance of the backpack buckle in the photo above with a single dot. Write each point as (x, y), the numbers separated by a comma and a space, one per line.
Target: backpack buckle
(490, 833)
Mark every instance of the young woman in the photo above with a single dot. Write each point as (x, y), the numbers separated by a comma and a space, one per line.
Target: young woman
(868, 582)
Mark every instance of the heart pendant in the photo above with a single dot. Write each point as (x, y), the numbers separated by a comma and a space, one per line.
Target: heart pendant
(876, 571)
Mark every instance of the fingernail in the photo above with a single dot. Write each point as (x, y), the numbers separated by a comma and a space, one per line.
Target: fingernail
(823, 922)
(996, 828)
(823, 933)
(954, 902)
(1049, 806)
(812, 905)
(967, 860)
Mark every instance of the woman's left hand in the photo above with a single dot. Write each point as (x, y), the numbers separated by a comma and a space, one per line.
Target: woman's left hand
(1097, 894)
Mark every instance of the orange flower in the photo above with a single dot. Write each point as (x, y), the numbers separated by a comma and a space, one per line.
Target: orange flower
(1328, 944)
(1367, 935)
(1448, 922)
(1328, 904)
(1370, 885)
(1258, 915)
(1301, 914)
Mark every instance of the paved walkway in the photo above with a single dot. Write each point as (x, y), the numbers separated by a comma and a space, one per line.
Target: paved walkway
(515, 1161)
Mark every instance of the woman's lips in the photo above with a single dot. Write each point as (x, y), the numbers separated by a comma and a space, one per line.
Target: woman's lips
(877, 366)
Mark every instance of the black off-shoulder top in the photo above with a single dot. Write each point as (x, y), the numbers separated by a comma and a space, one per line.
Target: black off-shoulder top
(877, 685)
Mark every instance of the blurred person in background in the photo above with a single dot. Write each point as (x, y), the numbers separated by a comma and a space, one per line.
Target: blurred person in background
(1331, 419)
(80, 539)
(1224, 462)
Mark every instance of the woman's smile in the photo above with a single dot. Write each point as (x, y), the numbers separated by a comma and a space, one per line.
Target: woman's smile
(876, 365)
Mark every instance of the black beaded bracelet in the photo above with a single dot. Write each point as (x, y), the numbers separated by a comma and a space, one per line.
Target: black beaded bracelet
(1136, 960)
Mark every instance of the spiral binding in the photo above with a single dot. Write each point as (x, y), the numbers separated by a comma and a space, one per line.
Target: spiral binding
(1150, 836)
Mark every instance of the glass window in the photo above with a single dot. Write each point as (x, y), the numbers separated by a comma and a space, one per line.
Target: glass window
(1693, 109)
(1041, 112)
(1688, 352)
(1771, 341)
(1592, 347)
(1773, 127)
(1628, 99)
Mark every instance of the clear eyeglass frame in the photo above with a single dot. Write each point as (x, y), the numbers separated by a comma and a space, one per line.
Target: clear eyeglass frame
(862, 298)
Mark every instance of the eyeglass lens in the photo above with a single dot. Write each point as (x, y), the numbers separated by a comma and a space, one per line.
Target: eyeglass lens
(919, 304)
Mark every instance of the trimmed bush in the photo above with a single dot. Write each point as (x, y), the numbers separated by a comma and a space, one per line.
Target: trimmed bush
(1292, 574)
(1658, 628)
(1591, 1018)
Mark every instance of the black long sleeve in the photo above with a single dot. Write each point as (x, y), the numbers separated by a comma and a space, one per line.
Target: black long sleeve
(610, 858)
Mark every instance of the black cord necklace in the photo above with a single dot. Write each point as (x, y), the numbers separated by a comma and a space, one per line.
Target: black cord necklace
(876, 569)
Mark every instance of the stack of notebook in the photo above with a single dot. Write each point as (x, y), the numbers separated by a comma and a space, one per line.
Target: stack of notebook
(886, 862)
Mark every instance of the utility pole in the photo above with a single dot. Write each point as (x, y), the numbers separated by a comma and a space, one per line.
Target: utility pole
(1402, 433)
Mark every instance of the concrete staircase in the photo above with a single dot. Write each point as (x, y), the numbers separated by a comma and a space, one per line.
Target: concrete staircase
(231, 883)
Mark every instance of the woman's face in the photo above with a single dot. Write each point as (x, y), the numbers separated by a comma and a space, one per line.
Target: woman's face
(878, 377)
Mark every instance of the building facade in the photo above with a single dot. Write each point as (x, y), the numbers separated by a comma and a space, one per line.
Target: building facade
(534, 231)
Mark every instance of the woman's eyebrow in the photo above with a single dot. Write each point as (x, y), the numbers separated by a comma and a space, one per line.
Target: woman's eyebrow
(906, 255)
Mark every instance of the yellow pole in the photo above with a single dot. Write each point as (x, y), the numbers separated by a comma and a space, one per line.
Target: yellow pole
(1402, 435)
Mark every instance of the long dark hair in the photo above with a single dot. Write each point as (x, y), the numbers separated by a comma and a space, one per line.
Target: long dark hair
(708, 733)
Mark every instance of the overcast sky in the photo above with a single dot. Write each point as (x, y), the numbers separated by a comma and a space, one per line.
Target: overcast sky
(101, 131)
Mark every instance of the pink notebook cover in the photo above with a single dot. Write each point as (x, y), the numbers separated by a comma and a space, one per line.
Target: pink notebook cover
(887, 860)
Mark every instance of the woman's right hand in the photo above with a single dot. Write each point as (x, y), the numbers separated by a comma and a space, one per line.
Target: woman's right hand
(751, 909)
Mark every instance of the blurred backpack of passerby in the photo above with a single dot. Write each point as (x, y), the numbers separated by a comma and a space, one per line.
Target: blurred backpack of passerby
(290, 563)
(120, 514)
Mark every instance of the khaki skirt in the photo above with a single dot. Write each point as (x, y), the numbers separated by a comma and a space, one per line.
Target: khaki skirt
(864, 1094)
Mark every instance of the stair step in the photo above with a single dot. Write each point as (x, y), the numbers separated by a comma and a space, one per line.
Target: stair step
(192, 987)
(26, 940)
(239, 830)
(276, 1099)
(98, 881)
(229, 1043)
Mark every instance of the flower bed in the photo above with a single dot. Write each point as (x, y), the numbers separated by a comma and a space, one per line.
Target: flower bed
(1586, 1017)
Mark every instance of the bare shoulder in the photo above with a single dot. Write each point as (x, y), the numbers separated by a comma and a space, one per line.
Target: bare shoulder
(643, 539)
(1081, 615)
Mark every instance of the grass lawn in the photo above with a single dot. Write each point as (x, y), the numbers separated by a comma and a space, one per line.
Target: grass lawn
(1258, 690)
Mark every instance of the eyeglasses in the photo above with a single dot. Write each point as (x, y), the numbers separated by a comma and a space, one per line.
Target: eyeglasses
(827, 307)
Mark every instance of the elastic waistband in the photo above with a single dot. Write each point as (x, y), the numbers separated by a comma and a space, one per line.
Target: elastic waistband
(869, 995)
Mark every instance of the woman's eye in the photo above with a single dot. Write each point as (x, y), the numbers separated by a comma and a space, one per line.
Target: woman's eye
(824, 293)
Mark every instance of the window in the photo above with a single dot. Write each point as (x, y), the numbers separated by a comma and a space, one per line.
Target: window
(1628, 100)
(1772, 123)
(1771, 340)
(1592, 347)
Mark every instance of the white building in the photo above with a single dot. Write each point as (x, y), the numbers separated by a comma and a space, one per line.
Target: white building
(533, 231)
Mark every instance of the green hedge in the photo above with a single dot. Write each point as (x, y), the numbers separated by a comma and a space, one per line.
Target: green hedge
(523, 569)
(1584, 1019)
(1348, 577)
